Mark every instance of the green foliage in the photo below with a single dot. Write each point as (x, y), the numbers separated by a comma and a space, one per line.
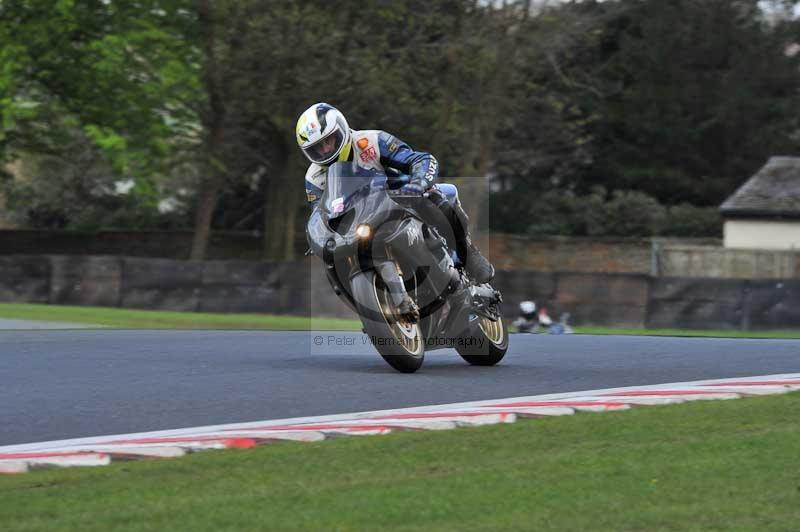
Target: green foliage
(686, 220)
(124, 72)
(696, 95)
(661, 103)
(632, 213)
(665, 105)
(623, 213)
(84, 191)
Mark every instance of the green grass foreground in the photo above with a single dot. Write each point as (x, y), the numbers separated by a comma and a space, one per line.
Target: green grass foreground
(718, 465)
(154, 319)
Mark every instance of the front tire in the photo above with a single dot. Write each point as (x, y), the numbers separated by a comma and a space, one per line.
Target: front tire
(400, 344)
(485, 342)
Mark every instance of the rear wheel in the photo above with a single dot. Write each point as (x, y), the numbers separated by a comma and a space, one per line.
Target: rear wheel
(399, 342)
(485, 342)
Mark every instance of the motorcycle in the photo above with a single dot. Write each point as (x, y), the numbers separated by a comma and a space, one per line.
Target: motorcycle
(378, 251)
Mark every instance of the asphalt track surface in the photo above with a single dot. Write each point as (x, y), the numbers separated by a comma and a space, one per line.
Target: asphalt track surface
(76, 383)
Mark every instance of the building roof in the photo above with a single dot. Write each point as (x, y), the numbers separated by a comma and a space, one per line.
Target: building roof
(773, 192)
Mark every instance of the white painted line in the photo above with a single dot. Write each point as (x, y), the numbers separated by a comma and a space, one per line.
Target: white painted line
(87, 460)
(684, 395)
(411, 424)
(361, 431)
(220, 437)
(288, 435)
(118, 451)
(523, 411)
(649, 400)
(591, 395)
(530, 411)
(588, 405)
(173, 443)
(58, 459)
(461, 418)
(195, 443)
(749, 390)
(10, 467)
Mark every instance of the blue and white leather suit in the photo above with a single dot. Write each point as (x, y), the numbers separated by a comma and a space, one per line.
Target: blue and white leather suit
(379, 150)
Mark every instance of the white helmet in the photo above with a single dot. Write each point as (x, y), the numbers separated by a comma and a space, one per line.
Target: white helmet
(527, 308)
(323, 134)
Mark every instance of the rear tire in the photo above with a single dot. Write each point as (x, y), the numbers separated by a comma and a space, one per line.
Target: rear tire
(485, 342)
(401, 345)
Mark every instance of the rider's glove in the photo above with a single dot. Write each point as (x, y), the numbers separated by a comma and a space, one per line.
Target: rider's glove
(412, 189)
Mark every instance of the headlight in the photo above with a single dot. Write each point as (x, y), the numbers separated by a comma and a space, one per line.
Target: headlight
(363, 231)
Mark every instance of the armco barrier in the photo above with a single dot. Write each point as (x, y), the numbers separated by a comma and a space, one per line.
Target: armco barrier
(300, 288)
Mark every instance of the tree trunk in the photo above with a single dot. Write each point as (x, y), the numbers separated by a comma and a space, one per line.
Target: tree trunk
(205, 210)
(213, 119)
(470, 183)
(450, 74)
(291, 230)
(492, 103)
(277, 213)
(497, 96)
(274, 221)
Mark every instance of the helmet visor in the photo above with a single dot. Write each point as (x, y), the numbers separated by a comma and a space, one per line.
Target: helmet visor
(327, 148)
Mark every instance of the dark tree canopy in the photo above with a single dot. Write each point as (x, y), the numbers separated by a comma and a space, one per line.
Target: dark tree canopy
(622, 117)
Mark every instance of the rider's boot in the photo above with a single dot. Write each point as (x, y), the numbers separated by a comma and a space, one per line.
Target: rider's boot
(477, 266)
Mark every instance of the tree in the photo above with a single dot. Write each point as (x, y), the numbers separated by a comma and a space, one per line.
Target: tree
(90, 80)
(705, 93)
(677, 101)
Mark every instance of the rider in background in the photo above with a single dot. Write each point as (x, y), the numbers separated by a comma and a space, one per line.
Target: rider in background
(325, 138)
(528, 320)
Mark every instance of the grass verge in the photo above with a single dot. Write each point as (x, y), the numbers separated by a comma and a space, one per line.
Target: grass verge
(785, 334)
(718, 465)
(153, 319)
(150, 319)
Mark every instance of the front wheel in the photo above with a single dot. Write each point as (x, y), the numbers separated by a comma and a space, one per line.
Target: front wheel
(400, 343)
(485, 342)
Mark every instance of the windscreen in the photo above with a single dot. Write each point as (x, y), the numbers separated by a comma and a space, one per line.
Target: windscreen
(346, 180)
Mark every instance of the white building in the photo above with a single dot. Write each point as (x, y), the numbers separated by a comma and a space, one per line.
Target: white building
(765, 212)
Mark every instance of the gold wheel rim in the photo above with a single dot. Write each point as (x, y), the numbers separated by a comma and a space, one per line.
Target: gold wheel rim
(407, 334)
(492, 329)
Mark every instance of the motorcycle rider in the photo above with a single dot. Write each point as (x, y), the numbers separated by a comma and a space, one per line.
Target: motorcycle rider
(325, 138)
(528, 320)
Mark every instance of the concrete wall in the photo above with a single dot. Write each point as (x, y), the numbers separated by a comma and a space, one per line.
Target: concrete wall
(574, 254)
(508, 252)
(162, 244)
(658, 256)
(762, 234)
(164, 284)
(675, 260)
(300, 288)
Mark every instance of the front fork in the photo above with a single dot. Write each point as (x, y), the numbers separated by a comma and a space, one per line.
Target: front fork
(393, 282)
